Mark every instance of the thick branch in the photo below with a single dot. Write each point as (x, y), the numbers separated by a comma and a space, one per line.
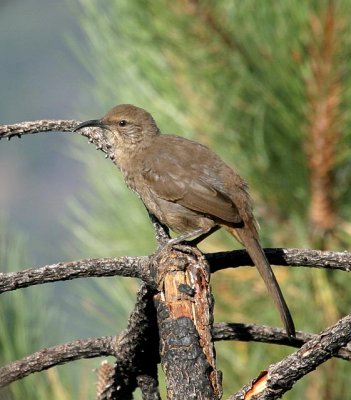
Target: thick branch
(111, 346)
(137, 267)
(61, 354)
(284, 257)
(138, 354)
(267, 334)
(135, 349)
(141, 267)
(185, 315)
(281, 376)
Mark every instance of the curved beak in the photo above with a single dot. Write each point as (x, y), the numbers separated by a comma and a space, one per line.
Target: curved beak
(93, 123)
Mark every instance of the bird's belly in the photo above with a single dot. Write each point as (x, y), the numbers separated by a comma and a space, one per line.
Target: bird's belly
(178, 218)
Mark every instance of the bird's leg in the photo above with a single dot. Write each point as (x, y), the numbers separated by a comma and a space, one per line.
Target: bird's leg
(161, 230)
(201, 234)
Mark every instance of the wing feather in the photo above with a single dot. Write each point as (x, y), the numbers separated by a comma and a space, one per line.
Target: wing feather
(178, 176)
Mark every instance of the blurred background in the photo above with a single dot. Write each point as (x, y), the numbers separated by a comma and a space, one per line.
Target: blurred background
(265, 84)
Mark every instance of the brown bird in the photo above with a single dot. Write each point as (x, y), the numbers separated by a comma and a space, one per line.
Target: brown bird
(186, 186)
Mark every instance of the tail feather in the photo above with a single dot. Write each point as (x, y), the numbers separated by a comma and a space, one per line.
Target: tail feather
(260, 260)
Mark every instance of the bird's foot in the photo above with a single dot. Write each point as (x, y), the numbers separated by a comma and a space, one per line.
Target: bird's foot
(198, 234)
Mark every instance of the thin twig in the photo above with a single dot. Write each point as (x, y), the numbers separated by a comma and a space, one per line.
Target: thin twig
(95, 135)
(31, 127)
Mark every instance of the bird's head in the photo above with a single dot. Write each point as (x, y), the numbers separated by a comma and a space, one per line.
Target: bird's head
(128, 126)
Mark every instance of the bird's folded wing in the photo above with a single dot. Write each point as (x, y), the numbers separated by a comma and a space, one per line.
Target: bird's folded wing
(193, 189)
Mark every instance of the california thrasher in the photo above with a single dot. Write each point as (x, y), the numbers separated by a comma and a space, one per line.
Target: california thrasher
(186, 186)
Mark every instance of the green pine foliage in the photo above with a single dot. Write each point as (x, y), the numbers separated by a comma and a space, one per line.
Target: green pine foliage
(34, 318)
(263, 83)
(23, 331)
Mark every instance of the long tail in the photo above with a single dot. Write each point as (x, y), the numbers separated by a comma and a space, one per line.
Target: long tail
(260, 260)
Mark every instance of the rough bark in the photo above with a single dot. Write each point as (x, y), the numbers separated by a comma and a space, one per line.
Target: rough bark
(268, 334)
(143, 266)
(284, 257)
(184, 309)
(137, 267)
(137, 358)
(61, 354)
(280, 377)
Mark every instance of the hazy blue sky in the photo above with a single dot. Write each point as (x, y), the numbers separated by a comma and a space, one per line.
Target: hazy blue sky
(39, 78)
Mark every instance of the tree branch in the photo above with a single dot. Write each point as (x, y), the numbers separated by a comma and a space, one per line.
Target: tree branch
(135, 349)
(31, 127)
(56, 355)
(138, 354)
(283, 257)
(116, 346)
(280, 377)
(142, 267)
(185, 316)
(137, 267)
(95, 135)
(267, 334)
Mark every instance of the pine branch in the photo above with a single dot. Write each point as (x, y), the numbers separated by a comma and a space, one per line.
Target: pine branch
(138, 354)
(31, 127)
(137, 267)
(143, 266)
(267, 334)
(95, 135)
(184, 307)
(284, 257)
(206, 15)
(281, 376)
(136, 350)
(56, 355)
(118, 347)
(185, 316)
(324, 92)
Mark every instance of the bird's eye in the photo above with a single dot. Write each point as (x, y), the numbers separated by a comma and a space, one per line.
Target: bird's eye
(123, 122)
